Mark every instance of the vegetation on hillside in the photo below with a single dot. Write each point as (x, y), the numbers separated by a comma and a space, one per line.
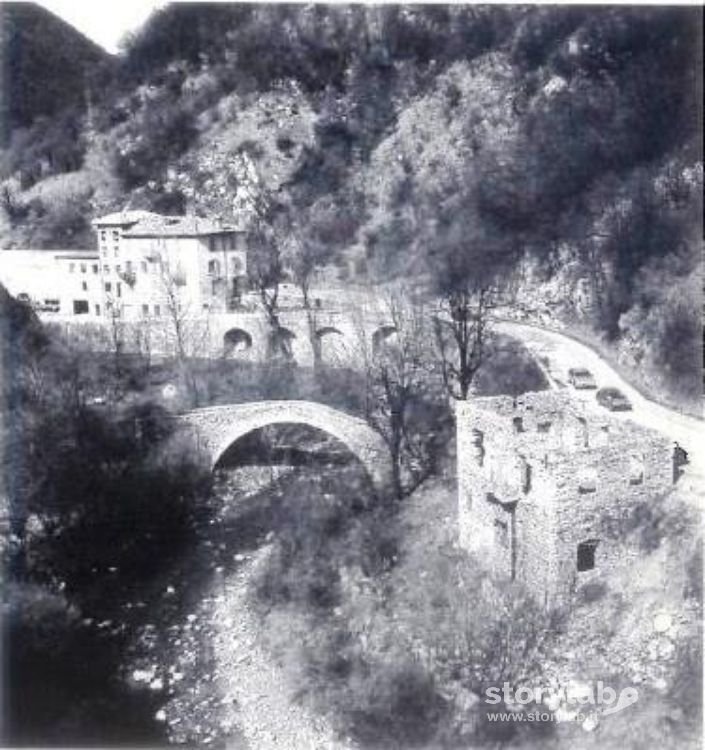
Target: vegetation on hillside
(409, 139)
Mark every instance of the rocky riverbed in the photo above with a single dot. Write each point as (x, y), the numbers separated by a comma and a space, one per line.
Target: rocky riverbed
(215, 683)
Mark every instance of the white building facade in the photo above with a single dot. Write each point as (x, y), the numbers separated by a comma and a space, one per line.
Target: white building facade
(56, 283)
(144, 263)
(149, 263)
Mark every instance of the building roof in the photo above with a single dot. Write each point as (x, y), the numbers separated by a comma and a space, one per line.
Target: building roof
(122, 218)
(155, 225)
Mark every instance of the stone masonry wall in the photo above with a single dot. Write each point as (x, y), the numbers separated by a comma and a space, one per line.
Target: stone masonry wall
(539, 475)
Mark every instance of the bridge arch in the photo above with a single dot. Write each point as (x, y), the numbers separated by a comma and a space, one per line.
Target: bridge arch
(385, 334)
(218, 427)
(331, 343)
(236, 341)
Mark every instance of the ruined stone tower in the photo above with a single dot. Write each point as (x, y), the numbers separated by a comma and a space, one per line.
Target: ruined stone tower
(546, 486)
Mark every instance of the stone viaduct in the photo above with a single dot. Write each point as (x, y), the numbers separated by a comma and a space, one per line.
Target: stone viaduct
(344, 326)
(216, 428)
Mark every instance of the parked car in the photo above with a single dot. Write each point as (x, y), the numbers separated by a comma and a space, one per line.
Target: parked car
(579, 377)
(613, 399)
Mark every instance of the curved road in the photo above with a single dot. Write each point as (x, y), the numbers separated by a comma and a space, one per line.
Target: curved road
(559, 353)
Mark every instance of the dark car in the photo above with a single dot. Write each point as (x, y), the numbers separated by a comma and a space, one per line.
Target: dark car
(613, 399)
(579, 377)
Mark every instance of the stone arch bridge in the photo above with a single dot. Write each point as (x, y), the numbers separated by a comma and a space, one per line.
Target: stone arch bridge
(217, 427)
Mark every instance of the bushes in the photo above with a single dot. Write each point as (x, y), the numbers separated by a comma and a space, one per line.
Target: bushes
(399, 706)
(114, 510)
(396, 634)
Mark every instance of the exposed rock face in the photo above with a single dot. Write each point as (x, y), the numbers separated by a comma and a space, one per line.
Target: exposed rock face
(546, 488)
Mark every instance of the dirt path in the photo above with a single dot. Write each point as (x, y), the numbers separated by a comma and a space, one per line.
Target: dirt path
(257, 695)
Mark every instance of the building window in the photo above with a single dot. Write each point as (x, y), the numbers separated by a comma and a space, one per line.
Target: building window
(95, 268)
(501, 533)
(213, 267)
(119, 289)
(72, 267)
(116, 235)
(108, 286)
(586, 555)
(80, 306)
(83, 267)
(518, 424)
(157, 311)
(117, 269)
(587, 480)
(526, 475)
(102, 235)
(478, 441)
(116, 251)
(543, 427)
(145, 310)
(636, 469)
(84, 286)
(144, 266)
(97, 309)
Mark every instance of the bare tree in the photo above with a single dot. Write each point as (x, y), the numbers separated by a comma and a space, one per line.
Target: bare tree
(401, 393)
(304, 254)
(116, 333)
(266, 269)
(182, 322)
(461, 333)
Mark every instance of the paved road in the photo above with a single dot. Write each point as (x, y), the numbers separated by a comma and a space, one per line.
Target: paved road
(558, 353)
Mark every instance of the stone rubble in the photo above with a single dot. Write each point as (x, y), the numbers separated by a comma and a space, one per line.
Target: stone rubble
(256, 691)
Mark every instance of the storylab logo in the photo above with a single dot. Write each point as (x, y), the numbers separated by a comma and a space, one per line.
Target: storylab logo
(574, 699)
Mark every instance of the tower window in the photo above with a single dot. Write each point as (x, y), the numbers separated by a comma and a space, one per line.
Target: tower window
(586, 555)
(526, 475)
(587, 480)
(478, 440)
(636, 469)
(501, 532)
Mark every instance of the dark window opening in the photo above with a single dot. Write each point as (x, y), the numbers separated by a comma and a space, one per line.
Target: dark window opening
(479, 443)
(501, 532)
(526, 472)
(586, 555)
(587, 481)
(543, 427)
(636, 469)
(80, 307)
(518, 424)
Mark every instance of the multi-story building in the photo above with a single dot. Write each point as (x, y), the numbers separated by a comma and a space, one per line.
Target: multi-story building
(149, 261)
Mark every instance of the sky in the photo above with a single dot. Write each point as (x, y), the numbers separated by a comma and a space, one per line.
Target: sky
(103, 22)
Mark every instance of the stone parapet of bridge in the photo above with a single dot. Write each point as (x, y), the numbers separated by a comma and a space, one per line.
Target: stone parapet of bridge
(216, 428)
